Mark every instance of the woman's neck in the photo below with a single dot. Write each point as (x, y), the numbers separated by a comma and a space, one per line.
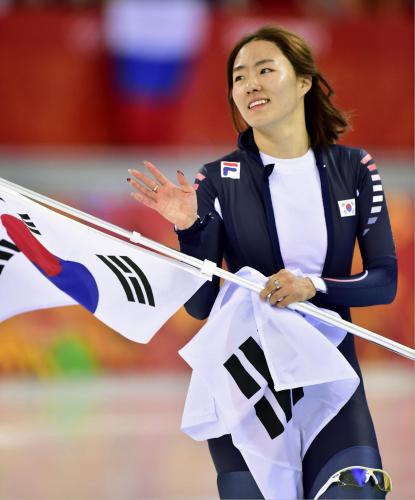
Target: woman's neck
(282, 143)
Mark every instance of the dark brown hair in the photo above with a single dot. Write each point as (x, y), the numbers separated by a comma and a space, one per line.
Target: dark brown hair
(324, 121)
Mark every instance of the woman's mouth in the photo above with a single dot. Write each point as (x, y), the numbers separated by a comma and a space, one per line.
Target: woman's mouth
(257, 103)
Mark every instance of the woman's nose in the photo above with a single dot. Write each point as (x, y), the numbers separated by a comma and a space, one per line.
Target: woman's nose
(252, 85)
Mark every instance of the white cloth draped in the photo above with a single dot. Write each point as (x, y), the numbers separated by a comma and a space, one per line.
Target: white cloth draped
(300, 353)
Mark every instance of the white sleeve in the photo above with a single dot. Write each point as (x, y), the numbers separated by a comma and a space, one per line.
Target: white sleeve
(318, 283)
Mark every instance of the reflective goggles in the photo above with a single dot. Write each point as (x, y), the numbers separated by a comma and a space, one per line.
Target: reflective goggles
(357, 476)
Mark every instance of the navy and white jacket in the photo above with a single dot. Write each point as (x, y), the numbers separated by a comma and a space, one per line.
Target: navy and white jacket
(246, 235)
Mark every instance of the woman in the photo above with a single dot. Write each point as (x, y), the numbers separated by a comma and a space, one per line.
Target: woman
(288, 198)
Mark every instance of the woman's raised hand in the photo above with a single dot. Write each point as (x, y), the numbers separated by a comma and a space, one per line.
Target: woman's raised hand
(177, 204)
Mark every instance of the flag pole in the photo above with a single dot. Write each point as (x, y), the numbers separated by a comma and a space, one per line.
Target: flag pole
(207, 269)
(91, 219)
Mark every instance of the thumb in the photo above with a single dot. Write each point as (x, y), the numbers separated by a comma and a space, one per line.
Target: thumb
(186, 187)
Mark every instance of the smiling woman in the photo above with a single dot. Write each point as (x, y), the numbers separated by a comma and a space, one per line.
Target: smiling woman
(290, 203)
(268, 94)
(279, 51)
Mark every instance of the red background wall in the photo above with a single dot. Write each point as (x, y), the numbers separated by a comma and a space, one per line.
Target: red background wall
(56, 81)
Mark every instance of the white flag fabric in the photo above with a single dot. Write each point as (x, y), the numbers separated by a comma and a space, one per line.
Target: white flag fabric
(272, 378)
(49, 260)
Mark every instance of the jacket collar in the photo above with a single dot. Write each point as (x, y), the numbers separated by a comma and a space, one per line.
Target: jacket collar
(246, 142)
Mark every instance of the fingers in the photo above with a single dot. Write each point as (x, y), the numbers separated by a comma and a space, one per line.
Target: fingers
(282, 298)
(147, 181)
(186, 187)
(266, 292)
(279, 279)
(161, 179)
(145, 192)
(284, 288)
(281, 289)
(284, 302)
(144, 199)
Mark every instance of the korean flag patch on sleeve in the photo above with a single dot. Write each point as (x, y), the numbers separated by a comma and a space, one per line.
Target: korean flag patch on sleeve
(230, 169)
(347, 207)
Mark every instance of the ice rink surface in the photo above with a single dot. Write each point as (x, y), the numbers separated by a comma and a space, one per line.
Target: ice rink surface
(119, 438)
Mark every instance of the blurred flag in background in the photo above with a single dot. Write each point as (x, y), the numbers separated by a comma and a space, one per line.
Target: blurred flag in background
(154, 46)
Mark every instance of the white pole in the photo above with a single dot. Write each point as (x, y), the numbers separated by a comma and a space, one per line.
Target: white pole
(207, 269)
(101, 223)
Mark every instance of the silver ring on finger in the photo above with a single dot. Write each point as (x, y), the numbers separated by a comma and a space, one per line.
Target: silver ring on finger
(277, 284)
(155, 188)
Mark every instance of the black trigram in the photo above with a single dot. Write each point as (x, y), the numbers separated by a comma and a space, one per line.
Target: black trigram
(26, 219)
(249, 386)
(7, 250)
(130, 276)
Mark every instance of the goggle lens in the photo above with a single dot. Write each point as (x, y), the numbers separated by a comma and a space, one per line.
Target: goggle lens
(359, 477)
(383, 480)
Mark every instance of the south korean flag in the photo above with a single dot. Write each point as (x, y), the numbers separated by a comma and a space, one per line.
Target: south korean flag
(269, 377)
(49, 260)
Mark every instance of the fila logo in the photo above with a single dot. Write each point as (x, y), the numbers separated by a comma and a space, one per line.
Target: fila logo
(249, 386)
(7, 251)
(347, 207)
(26, 219)
(131, 278)
(230, 169)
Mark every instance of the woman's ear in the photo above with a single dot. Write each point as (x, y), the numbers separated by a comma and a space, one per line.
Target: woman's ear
(305, 83)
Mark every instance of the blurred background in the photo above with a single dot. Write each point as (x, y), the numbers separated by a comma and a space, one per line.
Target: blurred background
(89, 89)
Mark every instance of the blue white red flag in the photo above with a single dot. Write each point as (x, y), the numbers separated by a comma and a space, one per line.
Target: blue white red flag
(48, 260)
(153, 44)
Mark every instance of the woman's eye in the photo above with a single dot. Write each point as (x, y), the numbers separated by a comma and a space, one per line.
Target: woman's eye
(266, 70)
(238, 78)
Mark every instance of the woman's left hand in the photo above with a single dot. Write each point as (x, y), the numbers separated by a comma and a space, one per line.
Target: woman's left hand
(284, 287)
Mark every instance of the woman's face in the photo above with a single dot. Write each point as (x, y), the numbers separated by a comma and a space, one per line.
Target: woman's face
(266, 90)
